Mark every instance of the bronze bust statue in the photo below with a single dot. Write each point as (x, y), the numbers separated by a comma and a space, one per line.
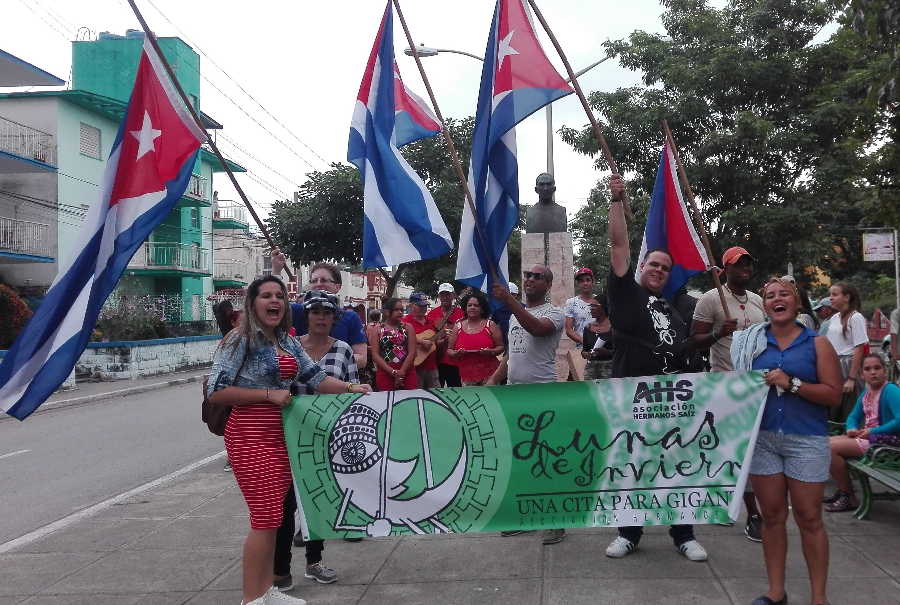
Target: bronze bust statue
(546, 216)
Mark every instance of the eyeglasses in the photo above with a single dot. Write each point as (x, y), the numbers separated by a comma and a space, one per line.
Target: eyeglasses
(530, 275)
(322, 280)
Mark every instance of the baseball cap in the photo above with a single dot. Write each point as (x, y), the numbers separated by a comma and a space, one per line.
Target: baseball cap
(418, 298)
(319, 299)
(789, 278)
(583, 271)
(513, 288)
(445, 287)
(733, 254)
(825, 302)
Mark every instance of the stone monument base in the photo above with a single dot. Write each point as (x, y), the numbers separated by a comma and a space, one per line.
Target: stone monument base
(554, 250)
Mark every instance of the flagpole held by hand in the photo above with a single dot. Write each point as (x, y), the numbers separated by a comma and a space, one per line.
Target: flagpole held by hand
(573, 79)
(212, 144)
(454, 156)
(698, 218)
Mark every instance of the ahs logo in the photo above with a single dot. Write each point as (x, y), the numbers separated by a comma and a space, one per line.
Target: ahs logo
(663, 391)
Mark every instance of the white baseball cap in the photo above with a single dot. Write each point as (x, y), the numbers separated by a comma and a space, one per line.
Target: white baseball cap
(513, 288)
(445, 287)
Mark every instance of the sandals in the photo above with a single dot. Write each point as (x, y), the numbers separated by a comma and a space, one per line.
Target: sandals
(843, 503)
(764, 600)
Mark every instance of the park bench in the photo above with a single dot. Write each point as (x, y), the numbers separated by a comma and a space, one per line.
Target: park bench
(881, 463)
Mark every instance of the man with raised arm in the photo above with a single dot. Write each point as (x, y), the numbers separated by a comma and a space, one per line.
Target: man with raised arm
(651, 339)
(534, 332)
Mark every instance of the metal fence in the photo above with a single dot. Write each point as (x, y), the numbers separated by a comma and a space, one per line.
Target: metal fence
(234, 213)
(171, 255)
(231, 270)
(197, 187)
(27, 142)
(24, 237)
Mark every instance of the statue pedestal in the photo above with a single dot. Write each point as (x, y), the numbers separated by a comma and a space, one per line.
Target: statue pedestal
(554, 250)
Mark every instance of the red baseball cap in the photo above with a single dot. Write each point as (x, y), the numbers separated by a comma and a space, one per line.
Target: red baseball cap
(583, 271)
(733, 254)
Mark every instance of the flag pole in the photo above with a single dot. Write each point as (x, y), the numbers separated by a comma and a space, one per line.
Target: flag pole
(212, 144)
(573, 78)
(454, 157)
(698, 217)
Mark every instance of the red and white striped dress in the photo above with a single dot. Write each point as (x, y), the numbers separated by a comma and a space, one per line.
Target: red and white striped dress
(254, 440)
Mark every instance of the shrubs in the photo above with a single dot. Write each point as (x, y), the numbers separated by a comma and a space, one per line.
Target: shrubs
(14, 314)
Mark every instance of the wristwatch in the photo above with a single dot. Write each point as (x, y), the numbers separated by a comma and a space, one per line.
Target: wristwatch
(795, 384)
(294, 388)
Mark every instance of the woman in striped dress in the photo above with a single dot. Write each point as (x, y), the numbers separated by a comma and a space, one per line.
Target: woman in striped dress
(253, 371)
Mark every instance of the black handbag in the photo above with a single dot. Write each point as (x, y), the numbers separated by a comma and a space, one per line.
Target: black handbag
(216, 416)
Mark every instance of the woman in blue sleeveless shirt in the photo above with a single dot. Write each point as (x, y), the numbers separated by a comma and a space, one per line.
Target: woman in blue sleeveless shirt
(792, 452)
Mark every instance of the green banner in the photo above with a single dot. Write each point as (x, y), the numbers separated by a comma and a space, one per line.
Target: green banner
(627, 451)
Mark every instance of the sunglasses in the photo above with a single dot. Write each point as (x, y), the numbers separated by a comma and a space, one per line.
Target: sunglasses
(530, 275)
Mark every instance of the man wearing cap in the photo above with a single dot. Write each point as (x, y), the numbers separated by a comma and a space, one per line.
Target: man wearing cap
(427, 370)
(444, 316)
(534, 332)
(710, 328)
(578, 308)
(824, 311)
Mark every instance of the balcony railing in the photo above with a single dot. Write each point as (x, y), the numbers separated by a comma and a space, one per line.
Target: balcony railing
(173, 256)
(231, 271)
(231, 213)
(27, 142)
(197, 188)
(24, 237)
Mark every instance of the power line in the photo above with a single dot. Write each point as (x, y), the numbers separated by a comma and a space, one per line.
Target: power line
(67, 26)
(48, 23)
(236, 83)
(228, 141)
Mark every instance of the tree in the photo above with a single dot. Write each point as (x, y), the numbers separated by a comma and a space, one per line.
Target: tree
(325, 222)
(773, 130)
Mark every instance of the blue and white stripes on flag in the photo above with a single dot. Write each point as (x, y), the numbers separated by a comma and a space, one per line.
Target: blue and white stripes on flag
(517, 80)
(148, 169)
(401, 221)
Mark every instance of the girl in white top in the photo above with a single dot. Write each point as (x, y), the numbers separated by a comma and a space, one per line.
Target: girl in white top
(847, 332)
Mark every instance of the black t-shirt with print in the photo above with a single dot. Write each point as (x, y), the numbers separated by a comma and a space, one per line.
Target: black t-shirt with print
(639, 320)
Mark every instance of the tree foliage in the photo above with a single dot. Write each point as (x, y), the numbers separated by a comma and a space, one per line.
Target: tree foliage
(325, 222)
(775, 133)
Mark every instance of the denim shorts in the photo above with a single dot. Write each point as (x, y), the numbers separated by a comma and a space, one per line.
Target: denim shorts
(801, 457)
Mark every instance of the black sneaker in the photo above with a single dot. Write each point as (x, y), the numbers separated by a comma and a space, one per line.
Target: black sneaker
(320, 573)
(764, 600)
(833, 497)
(753, 529)
(515, 532)
(283, 583)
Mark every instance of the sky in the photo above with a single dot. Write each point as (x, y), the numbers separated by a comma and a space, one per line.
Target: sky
(303, 62)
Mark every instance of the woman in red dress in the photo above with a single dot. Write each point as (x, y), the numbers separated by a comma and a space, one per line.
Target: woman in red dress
(476, 342)
(393, 351)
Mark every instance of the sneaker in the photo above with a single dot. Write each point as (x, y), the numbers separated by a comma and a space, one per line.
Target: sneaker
(227, 467)
(845, 502)
(320, 573)
(831, 498)
(274, 597)
(620, 547)
(692, 550)
(753, 529)
(764, 600)
(260, 601)
(553, 536)
(515, 532)
(283, 583)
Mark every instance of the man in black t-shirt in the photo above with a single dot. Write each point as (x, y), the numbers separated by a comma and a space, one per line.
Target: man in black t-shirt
(650, 338)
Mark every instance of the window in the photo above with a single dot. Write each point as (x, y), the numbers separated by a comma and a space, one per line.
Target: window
(195, 218)
(89, 143)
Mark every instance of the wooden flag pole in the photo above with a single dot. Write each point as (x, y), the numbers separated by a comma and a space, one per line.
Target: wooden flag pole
(698, 218)
(454, 157)
(573, 78)
(212, 144)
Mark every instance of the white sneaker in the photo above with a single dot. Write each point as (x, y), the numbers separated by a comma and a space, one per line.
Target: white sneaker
(620, 547)
(276, 597)
(258, 601)
(693, 550)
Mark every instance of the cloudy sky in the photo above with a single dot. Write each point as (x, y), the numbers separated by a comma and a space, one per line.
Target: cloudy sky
(302, 61)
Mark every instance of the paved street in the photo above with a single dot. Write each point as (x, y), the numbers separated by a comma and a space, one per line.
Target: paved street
(179, 542)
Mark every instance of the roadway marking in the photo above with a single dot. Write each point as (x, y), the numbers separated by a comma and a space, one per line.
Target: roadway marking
(101, 506)
(11, 454)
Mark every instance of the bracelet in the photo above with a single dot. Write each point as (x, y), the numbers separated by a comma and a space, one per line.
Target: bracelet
(349, 387)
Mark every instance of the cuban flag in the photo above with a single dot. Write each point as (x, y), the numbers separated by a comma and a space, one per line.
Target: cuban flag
(147, 172)
(401, 221)
(669, 227)
(516, 81)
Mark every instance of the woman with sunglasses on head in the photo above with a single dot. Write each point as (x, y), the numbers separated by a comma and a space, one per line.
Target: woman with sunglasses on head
(256, 370)
(394, 350)
(792, 453)
(875, 419)
(475, 342)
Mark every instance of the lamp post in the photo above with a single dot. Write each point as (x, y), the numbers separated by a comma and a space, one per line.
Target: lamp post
(427, 51)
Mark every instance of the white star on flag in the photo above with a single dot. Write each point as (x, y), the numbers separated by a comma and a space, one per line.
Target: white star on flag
(145, 136)
(505, 49)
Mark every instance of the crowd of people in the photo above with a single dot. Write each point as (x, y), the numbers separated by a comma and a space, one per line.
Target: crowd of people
(813, 355)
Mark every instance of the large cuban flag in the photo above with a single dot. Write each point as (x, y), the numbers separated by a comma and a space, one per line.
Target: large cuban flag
(516, 81)
(669, 226)
(401, 221)
(147, 171)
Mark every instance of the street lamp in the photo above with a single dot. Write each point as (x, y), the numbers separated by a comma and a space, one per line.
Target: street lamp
(427, 51)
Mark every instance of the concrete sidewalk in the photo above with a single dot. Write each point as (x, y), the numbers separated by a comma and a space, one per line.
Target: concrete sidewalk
(181, 542)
